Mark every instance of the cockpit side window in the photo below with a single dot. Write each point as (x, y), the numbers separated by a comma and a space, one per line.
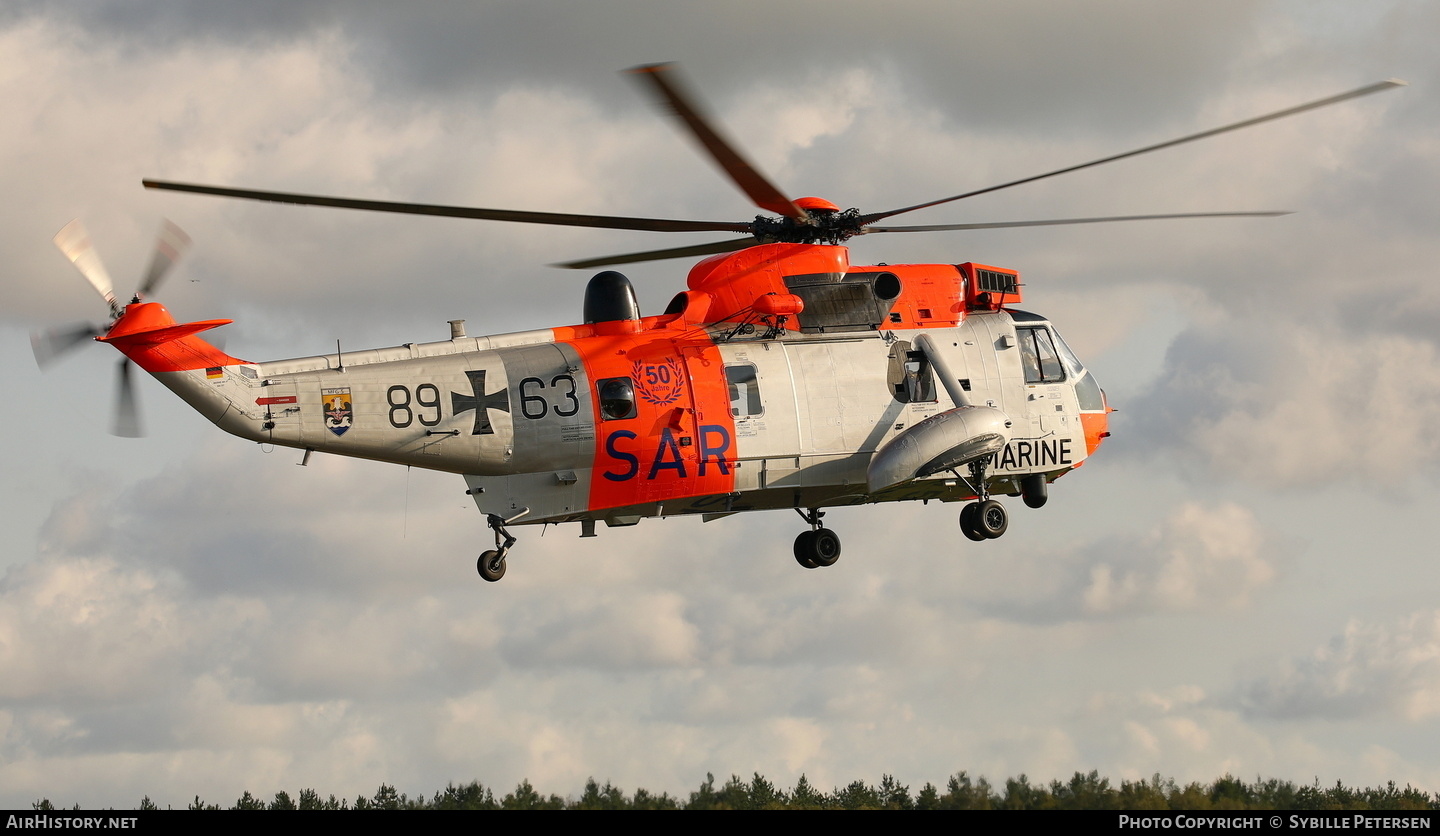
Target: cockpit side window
(1038, 356)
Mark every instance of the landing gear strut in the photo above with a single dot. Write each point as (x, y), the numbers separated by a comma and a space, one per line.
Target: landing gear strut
(491, 564)
(819, 546)
(984, 519)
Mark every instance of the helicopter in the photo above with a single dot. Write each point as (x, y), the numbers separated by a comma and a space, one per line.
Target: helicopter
(783, 377)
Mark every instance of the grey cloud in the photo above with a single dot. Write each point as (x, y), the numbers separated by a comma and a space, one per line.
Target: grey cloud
(975, 58)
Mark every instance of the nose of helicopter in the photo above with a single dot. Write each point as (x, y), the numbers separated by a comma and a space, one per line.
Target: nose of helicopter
(1096, 425)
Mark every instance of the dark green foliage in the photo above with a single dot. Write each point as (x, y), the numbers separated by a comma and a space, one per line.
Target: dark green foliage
(1146, 795)
(472, 796)
(764, 796)
(893, 795)
(1019, 795)
(735, 795)
(645, 801)
(1084, 792)
(857, 795)
(526, 798)
(596, 797)
(704, 798)
(310, 800)
(961, 794)
(804, 796)
(1229, 793)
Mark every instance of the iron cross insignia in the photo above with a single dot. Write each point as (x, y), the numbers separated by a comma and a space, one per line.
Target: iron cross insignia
(480, 402)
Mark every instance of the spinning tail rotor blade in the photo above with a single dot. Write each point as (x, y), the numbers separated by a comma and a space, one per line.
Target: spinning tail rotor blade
(127, 412)
(169, 246)
(674, 97)
(74, 242)
(50, 346)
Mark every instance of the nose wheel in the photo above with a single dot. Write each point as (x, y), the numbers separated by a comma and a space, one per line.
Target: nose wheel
(819, 546)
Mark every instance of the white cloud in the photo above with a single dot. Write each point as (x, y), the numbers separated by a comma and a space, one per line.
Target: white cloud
(1371, 669)
(1286, 402)
(1199, 558)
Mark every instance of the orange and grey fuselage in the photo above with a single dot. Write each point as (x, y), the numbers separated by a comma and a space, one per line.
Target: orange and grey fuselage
(783, 378)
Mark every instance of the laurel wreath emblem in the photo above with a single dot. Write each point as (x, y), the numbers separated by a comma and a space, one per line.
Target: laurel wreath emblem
(660, 384)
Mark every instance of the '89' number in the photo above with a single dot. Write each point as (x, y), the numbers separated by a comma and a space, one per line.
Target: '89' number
(404, 410)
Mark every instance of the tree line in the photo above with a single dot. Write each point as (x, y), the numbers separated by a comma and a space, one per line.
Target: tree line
(1084, 791)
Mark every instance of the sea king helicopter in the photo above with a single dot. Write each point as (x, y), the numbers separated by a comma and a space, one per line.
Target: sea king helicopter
(783, 377)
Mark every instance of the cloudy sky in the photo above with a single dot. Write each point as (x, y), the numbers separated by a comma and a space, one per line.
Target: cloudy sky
(1244, 581)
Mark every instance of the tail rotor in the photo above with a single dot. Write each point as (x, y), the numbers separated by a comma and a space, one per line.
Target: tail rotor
(49, 346)
(127, 409)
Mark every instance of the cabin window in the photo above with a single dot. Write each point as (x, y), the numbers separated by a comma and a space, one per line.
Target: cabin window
(617, 398)
(744, 387)
(1038, 356)
(919, 379)
(910, 377)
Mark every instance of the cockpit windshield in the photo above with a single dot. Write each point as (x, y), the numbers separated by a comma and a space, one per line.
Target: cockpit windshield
(1044, 354)
(1072, 363)
(1087, 391)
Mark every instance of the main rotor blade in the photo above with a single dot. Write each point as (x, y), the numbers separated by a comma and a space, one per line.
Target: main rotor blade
(658, 255)
(127, 412)
(169, 246)
(1068, 221)
(74, 242)
(675, 97)
(51, 345)
(1279, 114)
(515, 216)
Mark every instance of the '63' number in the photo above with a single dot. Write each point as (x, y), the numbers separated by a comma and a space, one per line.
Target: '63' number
(533, 403)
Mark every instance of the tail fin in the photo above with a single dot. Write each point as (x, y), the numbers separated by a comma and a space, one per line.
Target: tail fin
(148, 335)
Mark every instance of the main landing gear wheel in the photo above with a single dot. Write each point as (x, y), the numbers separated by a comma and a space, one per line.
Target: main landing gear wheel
(967, 522)
(819, 546)
(984, 520)
(491, 566)
(803, 549)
